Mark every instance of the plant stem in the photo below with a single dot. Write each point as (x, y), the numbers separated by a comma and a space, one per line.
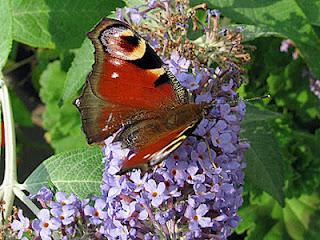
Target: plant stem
(10, 174)
(22, 196)
(19, 64)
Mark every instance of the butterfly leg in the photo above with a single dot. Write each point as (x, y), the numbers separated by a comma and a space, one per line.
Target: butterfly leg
(209, 152)
(208, 147)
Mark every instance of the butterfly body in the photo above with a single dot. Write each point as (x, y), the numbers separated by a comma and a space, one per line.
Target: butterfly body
(131, 89)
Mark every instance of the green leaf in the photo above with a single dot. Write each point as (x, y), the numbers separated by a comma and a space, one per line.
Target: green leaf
(6, 31)
(61, 23)
(81, 66)
(257, 220)
(313, 230)
(298, 214)
(264, 162)
(51, 81)
(21, 114)
(254, 114)
(304, 149)
(311, 10)
(276, 232)
(31, 23)
(290, 90)
(44, 57)
(275, 16)
(78, 171)
(61, 121)
(268, 221)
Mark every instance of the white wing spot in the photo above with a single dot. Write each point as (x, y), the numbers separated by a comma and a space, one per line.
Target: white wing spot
(114, 75)
(108, 121)
(77, 102)
(117, 62)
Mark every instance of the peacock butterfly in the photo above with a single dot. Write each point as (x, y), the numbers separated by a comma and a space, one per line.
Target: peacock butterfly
(131, 89)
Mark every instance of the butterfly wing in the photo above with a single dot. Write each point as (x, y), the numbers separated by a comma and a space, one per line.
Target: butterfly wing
(155, 151)
(127, 78)
(155, 138)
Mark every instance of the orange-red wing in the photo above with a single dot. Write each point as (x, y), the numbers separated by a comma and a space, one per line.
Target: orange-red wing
(99, 118)
(128, 78)
(123, 82)
(154, 152)
(128, 72)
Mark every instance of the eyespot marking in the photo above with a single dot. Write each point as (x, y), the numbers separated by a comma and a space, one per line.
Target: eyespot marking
(123, 43)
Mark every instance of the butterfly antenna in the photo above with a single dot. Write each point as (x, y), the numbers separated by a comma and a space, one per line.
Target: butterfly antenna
(257, 98)
(249, 99)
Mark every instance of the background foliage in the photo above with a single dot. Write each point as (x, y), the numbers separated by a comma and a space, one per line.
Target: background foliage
(46, 57)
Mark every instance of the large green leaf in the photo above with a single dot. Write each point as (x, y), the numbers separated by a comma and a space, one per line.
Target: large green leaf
(81, 66)
(254, 114)
(78, 171)
(264, 162)
(61, 23)
(284, 17)
(265, 219)
(5, 31)
(298, 213)
(257, 220)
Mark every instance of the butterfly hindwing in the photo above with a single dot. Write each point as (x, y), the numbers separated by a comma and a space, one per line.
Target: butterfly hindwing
(154, 152)
(156, 137)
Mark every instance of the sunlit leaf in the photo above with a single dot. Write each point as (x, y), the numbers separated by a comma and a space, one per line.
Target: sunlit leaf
(78, 171)
(61, 23)
(81, 66)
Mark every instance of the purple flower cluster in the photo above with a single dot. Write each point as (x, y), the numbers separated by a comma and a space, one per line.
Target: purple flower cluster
(67, 217)
(194, 193)
(58, 217)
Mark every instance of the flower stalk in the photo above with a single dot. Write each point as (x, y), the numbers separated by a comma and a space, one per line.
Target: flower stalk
(10, 186)
(10, 174)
